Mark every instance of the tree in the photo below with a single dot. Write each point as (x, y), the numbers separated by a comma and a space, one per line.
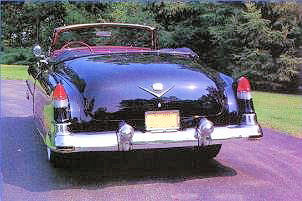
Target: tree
(255, 48)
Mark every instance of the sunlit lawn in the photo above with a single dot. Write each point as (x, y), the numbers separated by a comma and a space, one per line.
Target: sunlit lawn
(13, 72)
(279, 111)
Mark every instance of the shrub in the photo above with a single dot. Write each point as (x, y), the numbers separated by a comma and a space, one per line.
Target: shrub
(17, 56)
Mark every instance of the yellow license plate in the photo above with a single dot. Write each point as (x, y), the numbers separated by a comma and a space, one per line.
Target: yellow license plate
(162, 120)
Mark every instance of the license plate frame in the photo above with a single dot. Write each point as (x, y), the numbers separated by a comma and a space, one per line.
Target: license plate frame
(164, 120)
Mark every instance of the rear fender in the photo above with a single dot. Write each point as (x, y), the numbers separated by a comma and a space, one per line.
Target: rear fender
(76, 102)
(232, 104)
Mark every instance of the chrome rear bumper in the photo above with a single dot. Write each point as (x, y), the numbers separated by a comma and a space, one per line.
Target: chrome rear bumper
(108, 141)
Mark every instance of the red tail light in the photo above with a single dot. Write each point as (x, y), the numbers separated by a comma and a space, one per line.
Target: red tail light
(59, 93)
(60, 99)
(244, 89)
(245, 102)
(243, 85)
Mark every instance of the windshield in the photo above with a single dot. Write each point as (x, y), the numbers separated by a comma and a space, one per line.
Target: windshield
(104, 36)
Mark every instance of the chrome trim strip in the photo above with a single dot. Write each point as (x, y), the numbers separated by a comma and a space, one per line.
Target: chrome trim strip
(63, 28)
(249, 119)
(60, 103)
(62, 129)
(244, 95)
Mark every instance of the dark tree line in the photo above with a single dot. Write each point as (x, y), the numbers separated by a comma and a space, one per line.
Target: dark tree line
(260, 40)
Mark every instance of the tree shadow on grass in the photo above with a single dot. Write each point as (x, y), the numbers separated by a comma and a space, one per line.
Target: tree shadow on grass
(24, 164)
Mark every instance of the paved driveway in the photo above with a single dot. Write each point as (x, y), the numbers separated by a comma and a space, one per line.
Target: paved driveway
(268, 169)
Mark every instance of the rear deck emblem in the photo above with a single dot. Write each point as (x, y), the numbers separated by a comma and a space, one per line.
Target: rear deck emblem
(157, 90)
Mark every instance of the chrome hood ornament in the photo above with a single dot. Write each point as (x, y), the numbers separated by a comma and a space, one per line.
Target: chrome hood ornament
(157, 90)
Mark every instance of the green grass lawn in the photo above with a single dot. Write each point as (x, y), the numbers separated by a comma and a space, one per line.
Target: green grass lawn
(13, 72)
(279, 111)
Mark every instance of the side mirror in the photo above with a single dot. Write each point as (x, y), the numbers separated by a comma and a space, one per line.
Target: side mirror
(37, 51)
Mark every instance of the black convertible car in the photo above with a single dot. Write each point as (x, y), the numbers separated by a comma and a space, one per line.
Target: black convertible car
(108, 87)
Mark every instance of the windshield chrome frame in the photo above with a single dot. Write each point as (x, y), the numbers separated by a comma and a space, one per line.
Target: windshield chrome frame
(59, 30)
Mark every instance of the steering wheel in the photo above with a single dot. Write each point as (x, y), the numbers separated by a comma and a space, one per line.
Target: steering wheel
(77, 42)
